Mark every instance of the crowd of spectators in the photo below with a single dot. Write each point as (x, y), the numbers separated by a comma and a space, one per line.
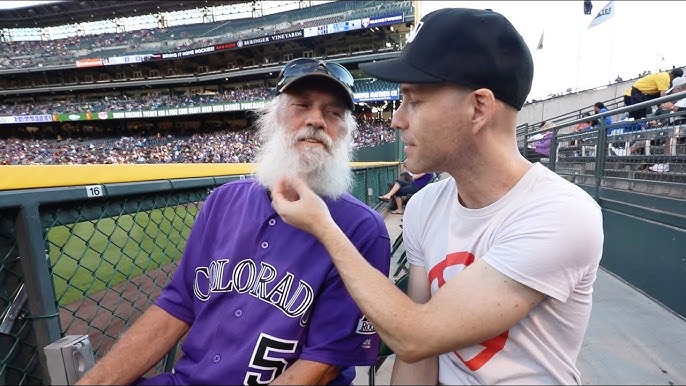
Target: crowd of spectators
(226, 146)
(114, 103)
(23, 54)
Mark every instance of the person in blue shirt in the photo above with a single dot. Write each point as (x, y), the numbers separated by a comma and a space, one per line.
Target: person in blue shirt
(598, 108)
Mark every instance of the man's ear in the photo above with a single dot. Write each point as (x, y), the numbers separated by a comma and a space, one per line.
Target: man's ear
(484, 108)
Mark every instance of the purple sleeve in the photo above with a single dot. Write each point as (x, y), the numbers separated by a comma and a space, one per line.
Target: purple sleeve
(177, 296)
(338, 333)
(423, 180)
(543, 146)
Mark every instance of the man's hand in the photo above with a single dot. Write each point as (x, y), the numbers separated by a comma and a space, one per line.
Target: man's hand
(299, 206)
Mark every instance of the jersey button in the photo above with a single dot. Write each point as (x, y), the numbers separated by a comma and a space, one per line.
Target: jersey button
(272, 222)
(265, 245)
(216, 358)
(238, 313)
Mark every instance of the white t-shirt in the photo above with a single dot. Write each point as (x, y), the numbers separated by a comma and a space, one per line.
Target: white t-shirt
(545, 233)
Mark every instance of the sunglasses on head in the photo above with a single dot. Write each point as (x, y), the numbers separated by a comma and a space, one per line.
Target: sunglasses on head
(303, 66)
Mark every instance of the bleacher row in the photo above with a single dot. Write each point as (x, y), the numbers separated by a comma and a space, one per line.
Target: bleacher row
(154, 101)
(22, 54)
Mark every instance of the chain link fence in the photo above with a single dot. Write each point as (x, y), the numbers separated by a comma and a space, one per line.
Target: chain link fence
(106, 259)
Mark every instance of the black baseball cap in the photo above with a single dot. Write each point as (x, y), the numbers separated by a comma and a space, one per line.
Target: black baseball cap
(473, 48)
(298, 70)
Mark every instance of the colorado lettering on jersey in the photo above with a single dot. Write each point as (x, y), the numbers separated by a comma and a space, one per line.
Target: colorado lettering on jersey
(248, 278)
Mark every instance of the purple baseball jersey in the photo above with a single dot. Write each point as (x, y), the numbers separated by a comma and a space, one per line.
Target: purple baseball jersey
(259, 293)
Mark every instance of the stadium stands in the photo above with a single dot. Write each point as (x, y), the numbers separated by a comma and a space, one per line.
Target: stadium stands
(20, 54)
(634, 153)
(226, 146)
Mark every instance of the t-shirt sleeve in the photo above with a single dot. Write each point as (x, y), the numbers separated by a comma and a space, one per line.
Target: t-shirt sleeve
(552, 247)
(177, 296)
(339, 334)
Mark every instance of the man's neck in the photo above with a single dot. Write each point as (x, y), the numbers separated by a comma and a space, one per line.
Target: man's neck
(483, 183)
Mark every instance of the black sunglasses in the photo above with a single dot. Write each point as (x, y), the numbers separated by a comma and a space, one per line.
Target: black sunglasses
(304, 66)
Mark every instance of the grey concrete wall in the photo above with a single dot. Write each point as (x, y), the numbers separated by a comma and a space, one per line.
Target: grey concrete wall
(553, 107)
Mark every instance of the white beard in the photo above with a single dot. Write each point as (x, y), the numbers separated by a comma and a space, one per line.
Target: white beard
(325, 169)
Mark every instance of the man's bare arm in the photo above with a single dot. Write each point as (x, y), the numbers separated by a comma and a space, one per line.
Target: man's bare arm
(304, 372)
(454, 318)
(424, 372)
(138, 350)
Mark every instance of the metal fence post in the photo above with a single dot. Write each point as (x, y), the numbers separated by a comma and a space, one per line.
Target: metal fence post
(552, 158)
(601, 150)
(37, 281)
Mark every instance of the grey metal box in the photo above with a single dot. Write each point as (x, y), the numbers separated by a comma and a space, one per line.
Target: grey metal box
(68, 359)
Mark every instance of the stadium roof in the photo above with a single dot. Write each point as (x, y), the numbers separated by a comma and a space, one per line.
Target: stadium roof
(77, 11)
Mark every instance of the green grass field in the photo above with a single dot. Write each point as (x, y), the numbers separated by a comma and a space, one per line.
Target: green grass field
(88, 257)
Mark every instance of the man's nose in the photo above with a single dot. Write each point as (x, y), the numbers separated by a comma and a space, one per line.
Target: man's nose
(398, 121)
(315, 119)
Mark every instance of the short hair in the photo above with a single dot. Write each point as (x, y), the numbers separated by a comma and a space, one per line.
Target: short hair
(546, 125)
(677, 72)
(600, 105)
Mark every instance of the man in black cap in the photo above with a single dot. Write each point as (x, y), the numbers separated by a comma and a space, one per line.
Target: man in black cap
(504, 254)
(259, 301)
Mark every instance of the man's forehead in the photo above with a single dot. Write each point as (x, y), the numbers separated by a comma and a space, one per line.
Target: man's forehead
(323, 94)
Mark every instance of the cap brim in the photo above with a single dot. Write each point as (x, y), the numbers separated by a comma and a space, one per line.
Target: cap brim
(398, 71)
(344, 88)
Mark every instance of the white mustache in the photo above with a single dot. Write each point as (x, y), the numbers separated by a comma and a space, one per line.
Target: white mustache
(309, 133)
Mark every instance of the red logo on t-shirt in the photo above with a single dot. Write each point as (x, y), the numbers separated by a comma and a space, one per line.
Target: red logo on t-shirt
(491, 346)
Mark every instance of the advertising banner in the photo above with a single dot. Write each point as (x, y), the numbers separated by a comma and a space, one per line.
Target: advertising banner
(332, 28)
(87, 116)
(216, 108)
(9, 119)
(186, 53)
(376, 21)
(376, 96)
(128, 59)
(90, 62)
(270, 38)
(103, 115)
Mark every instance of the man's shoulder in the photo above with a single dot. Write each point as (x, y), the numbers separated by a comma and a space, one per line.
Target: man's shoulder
(243, 185)
(236, 192)
(556, 195)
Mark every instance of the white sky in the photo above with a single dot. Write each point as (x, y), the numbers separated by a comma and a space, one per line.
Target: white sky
(641, 36)
(5, 4)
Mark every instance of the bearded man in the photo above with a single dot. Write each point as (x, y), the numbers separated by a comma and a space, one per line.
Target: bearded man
(258, 299)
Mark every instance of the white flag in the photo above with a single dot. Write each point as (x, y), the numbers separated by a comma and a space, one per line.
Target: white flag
(605, 14)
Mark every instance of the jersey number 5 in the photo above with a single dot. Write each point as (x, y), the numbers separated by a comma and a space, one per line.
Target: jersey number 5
(261, 359)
